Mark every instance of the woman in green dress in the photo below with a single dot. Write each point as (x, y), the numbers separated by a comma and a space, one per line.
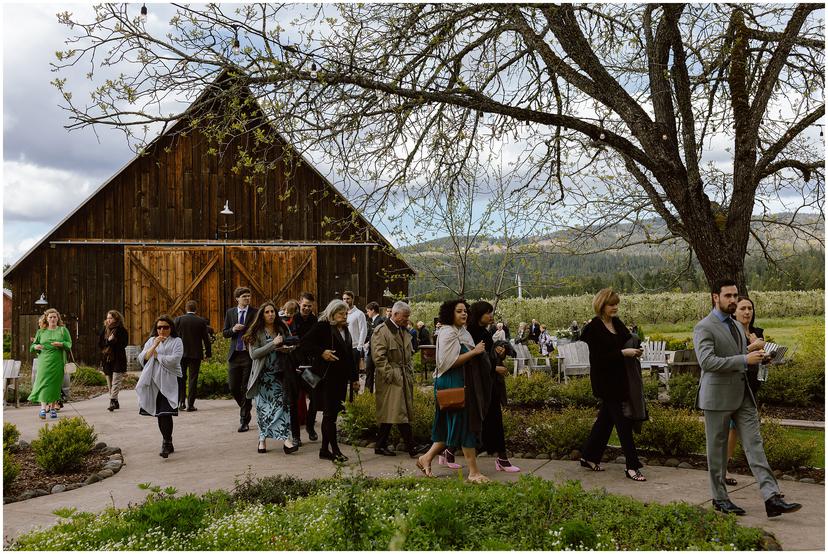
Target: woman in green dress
(51, 345)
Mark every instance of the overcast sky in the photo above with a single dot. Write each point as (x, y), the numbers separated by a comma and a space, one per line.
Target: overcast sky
(47, 171)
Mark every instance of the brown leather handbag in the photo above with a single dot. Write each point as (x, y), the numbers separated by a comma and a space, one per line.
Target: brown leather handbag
(451, 399)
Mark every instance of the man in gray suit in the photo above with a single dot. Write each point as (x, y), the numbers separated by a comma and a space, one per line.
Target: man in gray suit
(723, 394)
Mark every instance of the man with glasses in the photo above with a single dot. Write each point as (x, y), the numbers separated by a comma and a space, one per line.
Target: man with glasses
(236, 322)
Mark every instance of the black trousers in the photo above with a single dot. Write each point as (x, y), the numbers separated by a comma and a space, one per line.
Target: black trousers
(370, 370)
(405, 432)
(165, 425)
(189, 366)
(357, 358)
(238, 373)
(492, 435)
(610, 414)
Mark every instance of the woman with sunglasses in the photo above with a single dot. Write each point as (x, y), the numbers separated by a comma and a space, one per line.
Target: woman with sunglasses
(157, 389)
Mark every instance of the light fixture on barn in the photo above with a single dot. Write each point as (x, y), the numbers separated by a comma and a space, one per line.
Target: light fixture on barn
(143, 16)
(42, 300)
(226, 210)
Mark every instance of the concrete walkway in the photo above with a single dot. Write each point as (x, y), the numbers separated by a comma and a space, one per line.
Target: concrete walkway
(210, 454)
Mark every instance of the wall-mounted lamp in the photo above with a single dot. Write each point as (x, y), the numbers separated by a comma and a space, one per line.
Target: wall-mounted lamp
(42, 300)
(226, 210)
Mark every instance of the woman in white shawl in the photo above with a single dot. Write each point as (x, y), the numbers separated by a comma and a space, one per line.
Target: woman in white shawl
(157, 388)
(451, 427)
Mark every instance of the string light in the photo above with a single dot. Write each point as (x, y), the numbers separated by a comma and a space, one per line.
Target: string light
(313, 72)
(143, 16)
(664, 136)
(236, 44)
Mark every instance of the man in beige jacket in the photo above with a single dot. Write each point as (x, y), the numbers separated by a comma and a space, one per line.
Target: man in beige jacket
(392, 351)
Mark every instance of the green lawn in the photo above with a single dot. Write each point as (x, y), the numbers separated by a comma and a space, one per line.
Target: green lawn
(785, 331)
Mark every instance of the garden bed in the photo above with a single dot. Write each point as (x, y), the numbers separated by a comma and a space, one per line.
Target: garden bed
(358, 513)
(33, 477)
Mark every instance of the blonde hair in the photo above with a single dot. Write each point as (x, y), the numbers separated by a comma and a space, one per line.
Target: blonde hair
(605, 297)
(333, 307)
(291, 306)
(43, 321)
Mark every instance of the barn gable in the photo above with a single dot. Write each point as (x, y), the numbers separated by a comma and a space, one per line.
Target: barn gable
(153, 234)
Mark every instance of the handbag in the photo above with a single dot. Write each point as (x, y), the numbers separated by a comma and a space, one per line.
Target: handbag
(70, 367)
(451, 399)
(310, 377)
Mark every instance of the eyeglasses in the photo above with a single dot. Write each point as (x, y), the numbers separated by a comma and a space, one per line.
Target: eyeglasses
(161, 327)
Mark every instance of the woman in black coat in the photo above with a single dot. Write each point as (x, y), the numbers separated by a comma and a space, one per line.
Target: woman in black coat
(606, 335)
(329, 342)
(113, 340)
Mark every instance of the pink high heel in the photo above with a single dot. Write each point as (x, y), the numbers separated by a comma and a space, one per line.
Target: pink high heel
(511, 468)
(443, 460)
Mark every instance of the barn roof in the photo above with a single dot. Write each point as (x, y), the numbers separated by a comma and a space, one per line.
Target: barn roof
(223, 77)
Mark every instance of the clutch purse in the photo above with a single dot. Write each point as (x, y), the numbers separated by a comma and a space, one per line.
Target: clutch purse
(309, 377)
(451, 399)
(71, 367)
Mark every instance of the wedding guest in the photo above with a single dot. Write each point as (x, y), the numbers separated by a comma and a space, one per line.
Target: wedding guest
(265, 339)
(157, 388)
(51, 344)
(606, 335)
(113, 340)
(458, 427)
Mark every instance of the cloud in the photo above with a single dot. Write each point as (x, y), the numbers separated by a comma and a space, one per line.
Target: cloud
(34, 193)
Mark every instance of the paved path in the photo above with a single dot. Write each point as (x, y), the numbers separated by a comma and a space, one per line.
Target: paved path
(210, 454)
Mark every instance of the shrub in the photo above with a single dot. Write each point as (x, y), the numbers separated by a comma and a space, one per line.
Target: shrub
(788, 386)
(277, 489)
(6, 342)
(537, 390)
(673, 344)
(10, 435)
(361, 417)
(650, 389)
(10, 468)
(577, 392)
(544, 431)
(672, 432)
(88, 377)
(212, 380)
(167, 514)
(784, 452)
(220, 348)
(683, 390)
(62, 447)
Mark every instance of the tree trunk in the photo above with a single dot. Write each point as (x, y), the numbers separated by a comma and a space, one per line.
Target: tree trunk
(718, 262)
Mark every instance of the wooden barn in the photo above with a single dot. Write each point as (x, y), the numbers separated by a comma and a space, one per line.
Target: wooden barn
(160, 232)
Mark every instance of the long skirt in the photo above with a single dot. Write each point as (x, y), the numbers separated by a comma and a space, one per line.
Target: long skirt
(49, 378)
(452, 427)
(272, 414)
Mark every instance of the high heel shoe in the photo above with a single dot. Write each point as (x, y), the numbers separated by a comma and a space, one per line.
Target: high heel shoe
(505, 465)
(446, 458)
(591, 465)
(290, 449)
(262, 447)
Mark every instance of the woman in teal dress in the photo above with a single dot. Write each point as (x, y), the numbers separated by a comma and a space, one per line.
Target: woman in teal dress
(266, 343)
(51, 345)
(451, 427)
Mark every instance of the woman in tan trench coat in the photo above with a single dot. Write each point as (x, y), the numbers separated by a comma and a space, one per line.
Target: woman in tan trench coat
(392, 353)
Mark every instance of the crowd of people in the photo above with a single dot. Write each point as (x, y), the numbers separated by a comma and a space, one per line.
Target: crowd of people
(292, 363)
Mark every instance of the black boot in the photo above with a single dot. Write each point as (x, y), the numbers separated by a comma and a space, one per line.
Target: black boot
(111, 405)
(117, 406)
(166, 449)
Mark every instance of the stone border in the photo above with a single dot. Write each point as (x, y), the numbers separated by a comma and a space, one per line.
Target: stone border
(110, 468)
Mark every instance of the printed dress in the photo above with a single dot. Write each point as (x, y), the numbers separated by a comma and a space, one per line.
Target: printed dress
(272, 414)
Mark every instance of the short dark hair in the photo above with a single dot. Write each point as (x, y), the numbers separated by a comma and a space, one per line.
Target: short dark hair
(191, 306)
(239, 291)
(307, 296)
(168, 319)
(478, 310)
(446, 313)
(373, 306)
(719, 284)
(349, 293)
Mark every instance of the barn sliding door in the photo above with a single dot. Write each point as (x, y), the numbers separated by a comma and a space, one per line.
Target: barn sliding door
(272, 273)
(160, 280)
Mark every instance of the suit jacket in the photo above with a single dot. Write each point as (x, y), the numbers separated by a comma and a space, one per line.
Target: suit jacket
(324, 336)
(372, 325)
(607, 371)
(722, 361)
(230, 319)
(392, 353)
(192, 329)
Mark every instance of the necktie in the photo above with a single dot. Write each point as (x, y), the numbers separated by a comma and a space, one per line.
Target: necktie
(240, 345)
(734, 332)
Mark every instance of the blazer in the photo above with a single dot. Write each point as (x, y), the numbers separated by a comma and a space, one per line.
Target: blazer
(723, 367)
(230, 319)
(324, 336)
(192, 329)
(119, 361)
(607, 371)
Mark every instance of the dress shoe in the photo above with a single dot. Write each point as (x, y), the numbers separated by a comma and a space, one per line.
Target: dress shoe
(182, 406)
(727, 507)
(775, 506)
(262, 447)
(117, 406)
(297, 441)
(243, 428)
(417, 450)
(192, 409)
(338, 456)
(384, 451)
(312, 436)
(290, 449)
(111, 406)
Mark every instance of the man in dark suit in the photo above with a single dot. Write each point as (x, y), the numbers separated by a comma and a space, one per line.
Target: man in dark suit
(374, 320)
(724, 394)
(194, 332)
(534, 331)
(236, 322)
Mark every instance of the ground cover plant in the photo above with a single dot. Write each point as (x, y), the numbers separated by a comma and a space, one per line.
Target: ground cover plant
(356, 513)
